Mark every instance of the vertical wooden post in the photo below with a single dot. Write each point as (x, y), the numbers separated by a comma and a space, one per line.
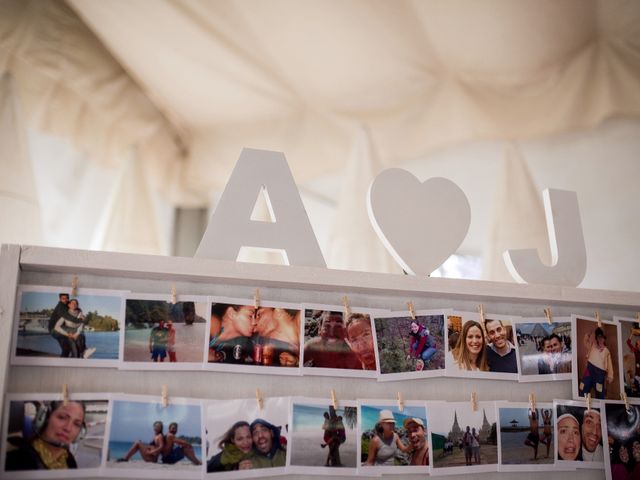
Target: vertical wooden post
(9, 272)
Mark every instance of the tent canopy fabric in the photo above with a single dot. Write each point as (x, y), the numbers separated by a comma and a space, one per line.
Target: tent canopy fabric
(192, 82)
(438, 85)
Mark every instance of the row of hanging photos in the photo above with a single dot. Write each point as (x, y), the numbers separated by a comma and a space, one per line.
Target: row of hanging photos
(347, 307)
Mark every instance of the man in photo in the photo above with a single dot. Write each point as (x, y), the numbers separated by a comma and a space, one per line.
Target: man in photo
(334, 436)
(467, 443)
(418, 440)
(267, 445)
(591, 437)
(175, 449)
(61, 310)
(635, 376)
(158, 341)
(360, 339)
(501, 353)
(598, 372)
(148, 451)
(329, 349)
(278, 330)
(553, 359)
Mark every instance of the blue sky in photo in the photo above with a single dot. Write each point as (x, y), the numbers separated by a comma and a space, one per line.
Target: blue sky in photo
(104, 305)
(134, 420)
(310, 417)
(370, 414)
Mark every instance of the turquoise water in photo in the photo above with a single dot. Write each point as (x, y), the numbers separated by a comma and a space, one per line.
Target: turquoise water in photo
(105, 343)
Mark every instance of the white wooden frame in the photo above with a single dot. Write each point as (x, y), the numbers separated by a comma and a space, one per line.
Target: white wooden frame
(155, 274)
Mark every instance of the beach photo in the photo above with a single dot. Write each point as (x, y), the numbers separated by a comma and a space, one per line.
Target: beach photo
(338, 344)
(578, 429)
(146, 435)
(163, 335)
(323, 438)
(481, 348)
(463, 440)
(410, 347)
(393, 439)
(525, 437)
(247, 439)
(57, 328)
(544, 349)
(596, 367)
(245, 338)
(57, 440)
(622, 431)
(629, 357)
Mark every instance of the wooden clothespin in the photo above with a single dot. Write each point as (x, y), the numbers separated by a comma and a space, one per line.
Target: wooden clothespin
(334, 400)
(65, 394)
(532, 402)
(481, 312)
(347, 308)
(547, 314)
(412, 310)
(625, 399)
(165, 396)
(400, 402)
(587, 397)
(74, 286)
(256, 298)
(259, 399)
(174, 295)
(598, 318)
(474, 402)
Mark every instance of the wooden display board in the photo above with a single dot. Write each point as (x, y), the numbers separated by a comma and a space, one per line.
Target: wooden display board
(29, 265)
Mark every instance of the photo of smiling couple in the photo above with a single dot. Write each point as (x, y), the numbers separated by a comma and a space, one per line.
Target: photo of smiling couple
(475, 345)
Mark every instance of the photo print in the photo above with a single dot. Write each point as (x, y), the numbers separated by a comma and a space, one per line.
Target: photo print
(323, 438)
(578, 434)
(408, 347)
(58, 329)
(243, 338)
(161, 335)
(246, 439)
(392, 440)
(481, 349)
(149, 439)
(338, 346)
(622, 433)
(595, 361)
(544, 349)
(525, 437)
(462, 440)
(629, 355)
(44, 438)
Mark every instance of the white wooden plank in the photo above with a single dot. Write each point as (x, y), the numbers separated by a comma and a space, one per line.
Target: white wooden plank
(9, 272)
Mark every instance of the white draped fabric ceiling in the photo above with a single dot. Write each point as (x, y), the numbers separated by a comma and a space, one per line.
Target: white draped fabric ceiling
(183, 85)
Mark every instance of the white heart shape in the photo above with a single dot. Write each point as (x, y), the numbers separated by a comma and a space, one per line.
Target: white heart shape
(420, 224)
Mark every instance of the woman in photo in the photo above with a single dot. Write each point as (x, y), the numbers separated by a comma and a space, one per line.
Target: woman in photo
(599, 370)
(422, 345)
(236, 450)
(469, 352)
(71, 327)
(56, 428)
(569, 440)
(385, 444)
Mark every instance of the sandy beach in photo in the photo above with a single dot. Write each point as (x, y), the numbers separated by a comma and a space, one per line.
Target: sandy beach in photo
(141, 465)
(307, 451)
(189, 343)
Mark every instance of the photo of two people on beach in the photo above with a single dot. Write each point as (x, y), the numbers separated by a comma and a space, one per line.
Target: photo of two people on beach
(64, 328)
(162, 332)
(144, 434)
